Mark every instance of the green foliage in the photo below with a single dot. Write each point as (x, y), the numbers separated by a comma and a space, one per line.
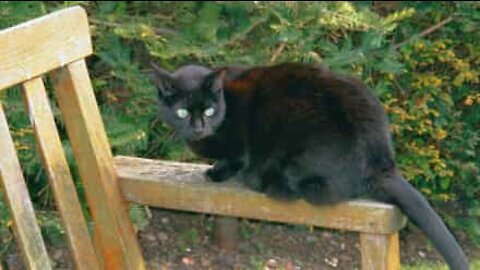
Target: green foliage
(139, 214)
(5, 236)
(429, 83)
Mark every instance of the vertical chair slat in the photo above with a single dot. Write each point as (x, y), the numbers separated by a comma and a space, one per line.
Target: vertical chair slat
(18, 201)
(59, 175)
(113, 230)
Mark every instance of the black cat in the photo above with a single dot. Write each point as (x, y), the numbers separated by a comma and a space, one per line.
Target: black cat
(295, 131)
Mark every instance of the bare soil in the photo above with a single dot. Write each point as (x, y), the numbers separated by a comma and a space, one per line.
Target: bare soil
(183, 241)
(179, 240)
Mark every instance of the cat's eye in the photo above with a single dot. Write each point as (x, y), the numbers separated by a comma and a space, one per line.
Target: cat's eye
(182, 113)
(209, 112)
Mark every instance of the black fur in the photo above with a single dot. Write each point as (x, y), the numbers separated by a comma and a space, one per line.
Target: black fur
(302, 131)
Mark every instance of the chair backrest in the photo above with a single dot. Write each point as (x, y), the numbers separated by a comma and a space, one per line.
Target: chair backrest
(57, 45)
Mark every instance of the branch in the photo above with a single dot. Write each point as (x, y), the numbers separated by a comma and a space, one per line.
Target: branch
(278, 51)
(424, 32)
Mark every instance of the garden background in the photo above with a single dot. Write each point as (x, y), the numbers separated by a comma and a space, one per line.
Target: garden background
(422, 59)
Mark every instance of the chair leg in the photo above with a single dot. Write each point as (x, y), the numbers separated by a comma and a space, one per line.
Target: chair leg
(226, 232)
(380, 251)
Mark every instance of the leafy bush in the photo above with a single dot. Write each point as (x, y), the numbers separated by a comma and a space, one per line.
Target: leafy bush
(421, 58)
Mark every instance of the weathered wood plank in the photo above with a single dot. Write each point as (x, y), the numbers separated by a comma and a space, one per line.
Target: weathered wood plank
(114, 232)
(43, 44)
(59, 175)
(380, 251)
(18, 200)
(181, 186)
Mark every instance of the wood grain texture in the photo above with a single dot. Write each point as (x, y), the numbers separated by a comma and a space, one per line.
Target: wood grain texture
(15, 192)
(43, 44)
(181, 186)
(115, 237)
(59, 175)
(380, 251)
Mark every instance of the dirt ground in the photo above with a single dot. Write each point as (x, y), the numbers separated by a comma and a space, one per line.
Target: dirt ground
(181, 240)
(177, 240)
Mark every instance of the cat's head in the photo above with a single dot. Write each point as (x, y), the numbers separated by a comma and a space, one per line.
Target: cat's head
(190, 100)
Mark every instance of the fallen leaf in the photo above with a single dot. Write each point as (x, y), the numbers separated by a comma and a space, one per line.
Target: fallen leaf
(188, 261)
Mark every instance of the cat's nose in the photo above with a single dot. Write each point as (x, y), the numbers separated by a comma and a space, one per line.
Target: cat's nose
(198, 131)
(197, 128)
(196, 134)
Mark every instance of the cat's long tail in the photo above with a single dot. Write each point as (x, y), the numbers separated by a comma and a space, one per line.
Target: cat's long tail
(417, 208)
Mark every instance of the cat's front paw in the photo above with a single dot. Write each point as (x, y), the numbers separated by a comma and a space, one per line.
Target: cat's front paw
(222, 170)
(215, 175)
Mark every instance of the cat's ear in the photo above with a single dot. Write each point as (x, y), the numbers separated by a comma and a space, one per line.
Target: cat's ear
(219, 80)
(162, 79)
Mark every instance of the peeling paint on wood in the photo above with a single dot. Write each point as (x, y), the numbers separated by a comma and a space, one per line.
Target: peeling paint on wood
(38, 46)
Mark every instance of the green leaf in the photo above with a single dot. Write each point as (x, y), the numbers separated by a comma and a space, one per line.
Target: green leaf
(444, 183)
(139, 216)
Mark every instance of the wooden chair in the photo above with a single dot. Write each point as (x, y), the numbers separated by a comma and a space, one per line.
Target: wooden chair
(57, 45)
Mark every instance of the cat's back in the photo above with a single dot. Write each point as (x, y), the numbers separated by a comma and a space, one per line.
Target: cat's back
(314, 83)
(294, 80)
(309, 95)
(308, 80)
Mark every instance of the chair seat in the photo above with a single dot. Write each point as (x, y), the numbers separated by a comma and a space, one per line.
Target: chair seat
(181, 186)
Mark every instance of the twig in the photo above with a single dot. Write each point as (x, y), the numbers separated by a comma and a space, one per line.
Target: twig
(424, 32)
(278, 51)
(112, 24)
